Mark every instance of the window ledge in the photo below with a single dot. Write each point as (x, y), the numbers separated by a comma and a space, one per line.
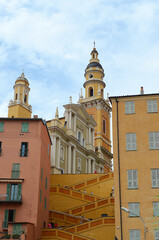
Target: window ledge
(11, 180)
(132, 188)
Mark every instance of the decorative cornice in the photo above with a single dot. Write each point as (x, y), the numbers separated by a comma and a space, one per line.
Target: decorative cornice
(94, 81)
(96, 102)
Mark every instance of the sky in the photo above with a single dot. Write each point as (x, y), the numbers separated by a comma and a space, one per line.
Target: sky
(51, 42)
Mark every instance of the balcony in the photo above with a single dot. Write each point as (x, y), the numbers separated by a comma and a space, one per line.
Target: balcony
(5, 225)
(4, 199)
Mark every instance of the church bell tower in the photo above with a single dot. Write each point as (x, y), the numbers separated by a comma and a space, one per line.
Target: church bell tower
(97, 106)
(19, 107)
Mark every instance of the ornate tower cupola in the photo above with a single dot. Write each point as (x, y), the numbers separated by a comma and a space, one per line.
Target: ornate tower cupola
(19, 107)
(94, 74)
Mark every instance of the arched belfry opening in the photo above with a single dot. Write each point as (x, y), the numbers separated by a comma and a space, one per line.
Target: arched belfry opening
(90, 92)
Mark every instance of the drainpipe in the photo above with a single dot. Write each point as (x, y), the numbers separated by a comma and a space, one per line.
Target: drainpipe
(121, 227)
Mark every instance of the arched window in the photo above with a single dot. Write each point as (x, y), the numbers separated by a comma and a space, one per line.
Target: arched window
(104, 126)
(25, 98)
(16, 96)
(91, 92)
(79, 136)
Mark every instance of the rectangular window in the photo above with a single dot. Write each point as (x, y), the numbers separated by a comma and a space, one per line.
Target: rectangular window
(17, 229)
(156, 234)
(153, 140)
(129, 107)
(40, 195)
(46, 182)
(24, 149)
(131, 141)
(151, 106)
(11, 215)
(0, 148)
(45, 203)
(134, 210)
(79, 164)
(156, 209)
(25, 127)
(134, 234)
(155, 178)
(5, 222)
(1, 126)
(15, 170)
(132, 179)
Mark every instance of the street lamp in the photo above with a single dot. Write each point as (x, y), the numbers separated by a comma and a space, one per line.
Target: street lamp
(128, 211)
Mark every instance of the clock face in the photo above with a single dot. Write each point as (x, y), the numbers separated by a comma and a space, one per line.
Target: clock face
(90, 75)
(26, 91)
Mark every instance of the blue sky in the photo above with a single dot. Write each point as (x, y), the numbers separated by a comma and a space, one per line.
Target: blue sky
(52, 40)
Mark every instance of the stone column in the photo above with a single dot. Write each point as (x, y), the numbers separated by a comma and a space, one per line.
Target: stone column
(19, 93)
(69, 159)
(53, 151)
(93, 137)
(58, 152)
(89, 135)
(89, 165)
(74, 123)
(74, 161)
(70, 119)
(93, 166)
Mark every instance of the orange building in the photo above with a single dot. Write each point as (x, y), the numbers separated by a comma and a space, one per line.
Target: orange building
(136, 166)
(24, 177)
(98, 107)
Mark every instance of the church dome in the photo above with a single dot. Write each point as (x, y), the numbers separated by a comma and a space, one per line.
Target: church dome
(23, 78)
(94, 64)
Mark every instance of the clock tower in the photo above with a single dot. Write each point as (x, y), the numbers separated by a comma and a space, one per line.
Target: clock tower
(98, 107)
(19, 107)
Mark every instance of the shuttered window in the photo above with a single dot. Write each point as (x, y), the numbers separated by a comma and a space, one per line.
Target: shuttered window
(129, 107)
(131, 141)
(46, 182)
(5, 223)
(151, 106)
(156, 234)
(156, 209)
(40, 195)
(132, 179)
(15, 170)
(155, 178)
(134, 234)
(25, 127)
(41, 173)
(1, 126)
(153, 140)
(17, 229)
(134, 209)
(45, 204)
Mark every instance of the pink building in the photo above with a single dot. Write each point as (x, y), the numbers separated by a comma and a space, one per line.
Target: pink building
(24, 177)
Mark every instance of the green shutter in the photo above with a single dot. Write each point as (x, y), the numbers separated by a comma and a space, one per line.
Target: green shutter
(1, 126)
(25, 127)
(14, 215)
(45, 203)
(16, 170)
(19, 192)
(46, 183)
(40, 195)
(8, 191)
(5, 224)
(17, 228)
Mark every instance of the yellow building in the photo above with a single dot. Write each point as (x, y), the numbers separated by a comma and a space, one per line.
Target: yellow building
(72, 137)
(19, 107)
(136, 165)
(98, 107)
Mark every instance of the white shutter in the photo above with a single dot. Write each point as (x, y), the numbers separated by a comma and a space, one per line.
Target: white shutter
(135, 185)
(156, 140)
(154, 177)
(133, 145)
(137, 235)
(129, 178)
(127, 108)
(154, 105)
(151, 140)
(157, 177)
(131, 232)
(157, 235)
(132, 107)
(149, 106)
(128, 142)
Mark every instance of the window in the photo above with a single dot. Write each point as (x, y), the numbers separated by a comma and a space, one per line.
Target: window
(25, 98)
(156, 234)
(45, 204)
(15, 170)
(25, 127)
(134, 234)
(156, 209)
(9, 216)
(132, 179)
(42, 174)
(0, 148)
(40, 195)
(131, 141)
(1, 126)
(134, 209)
(154, 140)
(90, 91)
(17, 229)
(83, 142)
(129, 107)
(46, 182)
(104, 126)
(155, 178)
(14, 192)
(151, 106)
(79, 164)
(24, 149)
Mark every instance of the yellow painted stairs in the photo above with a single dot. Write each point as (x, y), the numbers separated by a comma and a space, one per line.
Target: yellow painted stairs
(82, 206)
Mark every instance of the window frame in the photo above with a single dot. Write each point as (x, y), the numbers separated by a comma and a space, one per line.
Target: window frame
(155, 177)
(135, 238)
(24, 150)
(153, 141)
(15, 170)
(152, 106)
(1, 126)
(25, 127)
(130, 107)
(156, 212)
(133, 180)
(130, 142)
(133, 211)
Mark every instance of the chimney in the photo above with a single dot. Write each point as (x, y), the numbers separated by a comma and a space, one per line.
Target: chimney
(35, 116)
(142, 90)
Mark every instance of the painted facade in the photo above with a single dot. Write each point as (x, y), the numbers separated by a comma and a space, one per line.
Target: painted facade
(73, 149)
(19, 107)
(24, 177)
(98, 107)
(136, 167)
